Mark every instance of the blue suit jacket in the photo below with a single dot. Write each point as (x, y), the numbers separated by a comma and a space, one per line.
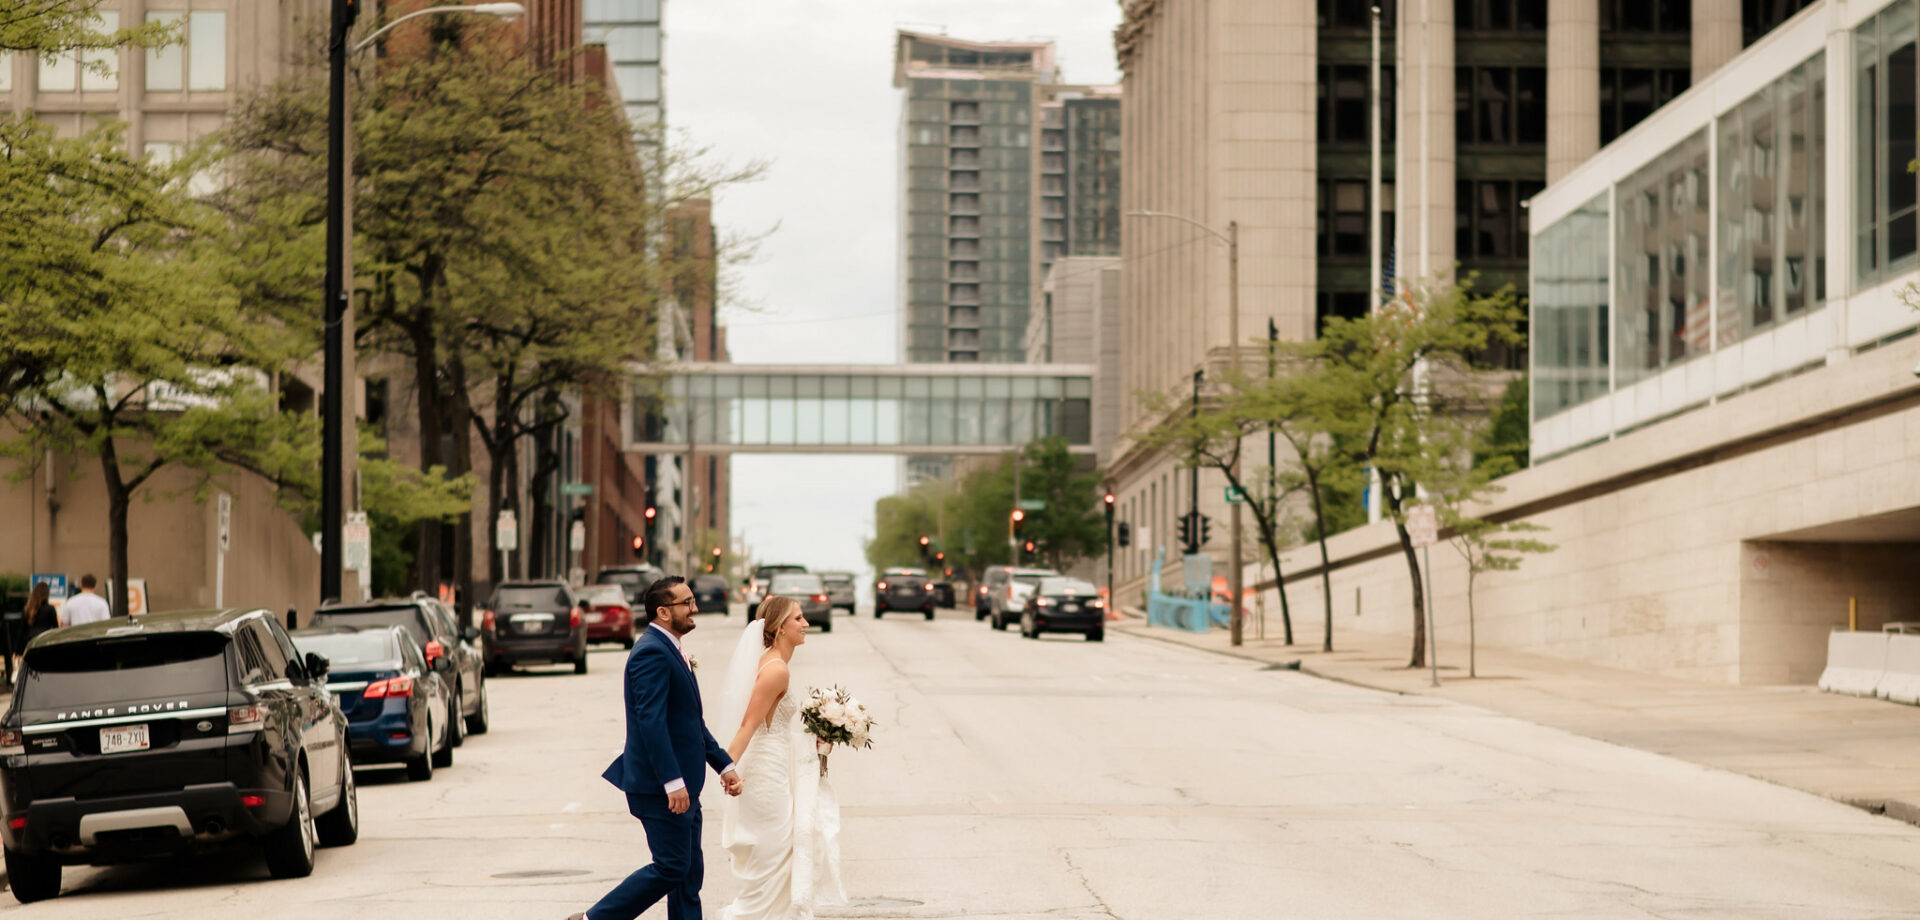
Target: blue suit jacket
(667, 737)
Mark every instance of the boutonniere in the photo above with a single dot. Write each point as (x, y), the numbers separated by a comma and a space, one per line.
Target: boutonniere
(693, 663)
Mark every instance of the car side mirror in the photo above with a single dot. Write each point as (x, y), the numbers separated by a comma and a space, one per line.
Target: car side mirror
(317, 666)
(442, 664)
(470, 633)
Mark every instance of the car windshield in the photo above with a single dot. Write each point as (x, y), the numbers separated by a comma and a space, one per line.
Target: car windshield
(530, 597)
(367, 646)
(768, 571)
(123, 668)
(796, 584)
(407, 615)
(1054, 586)
(710, 582)
(839, 581)
(603, 595)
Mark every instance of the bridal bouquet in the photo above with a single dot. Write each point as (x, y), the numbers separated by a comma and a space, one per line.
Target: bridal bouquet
(832, 716)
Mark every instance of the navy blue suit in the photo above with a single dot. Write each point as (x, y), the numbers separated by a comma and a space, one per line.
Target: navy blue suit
(667, 739)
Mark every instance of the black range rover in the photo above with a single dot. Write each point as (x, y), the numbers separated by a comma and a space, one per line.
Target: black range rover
(176, 732)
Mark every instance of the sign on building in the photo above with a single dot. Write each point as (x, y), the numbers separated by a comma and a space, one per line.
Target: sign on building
(1423, 526)
(357, 542)
(508, 537)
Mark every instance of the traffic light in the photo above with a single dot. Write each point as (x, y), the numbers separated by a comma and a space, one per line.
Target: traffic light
(715, 564)
(923, 542)
(1206, 532)
(1109, 501)
(639, 547)
(1029, 546)
(1124, 534)
(1186, 532)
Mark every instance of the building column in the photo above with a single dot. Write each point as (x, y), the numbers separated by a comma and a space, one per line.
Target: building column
(1573, 84)
(1424, 73)
(1716, 35)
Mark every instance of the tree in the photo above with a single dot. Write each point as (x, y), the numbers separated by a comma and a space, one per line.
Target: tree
(899, 521)
(1360, 375)
(66, 26)
(969, 519)
(1073, 525)
(122, 338)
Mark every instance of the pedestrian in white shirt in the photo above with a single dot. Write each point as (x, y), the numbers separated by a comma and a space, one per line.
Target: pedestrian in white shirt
(87, 606)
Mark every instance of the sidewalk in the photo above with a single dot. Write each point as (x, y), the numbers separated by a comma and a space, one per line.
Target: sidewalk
(1862, 752)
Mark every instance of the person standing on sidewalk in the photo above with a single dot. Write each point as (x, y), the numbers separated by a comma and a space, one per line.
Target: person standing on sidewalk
(87, 606)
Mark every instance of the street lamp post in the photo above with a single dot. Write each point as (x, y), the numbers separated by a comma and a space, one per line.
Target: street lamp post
(334, 293)
(1232, 239)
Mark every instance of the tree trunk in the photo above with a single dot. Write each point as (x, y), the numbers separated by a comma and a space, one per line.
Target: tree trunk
(426, 385)
(1320, 537)
(461, 417)
(1472, 645)
(1268, 527)
(1413, 568)
(540, 485)
(117, 505)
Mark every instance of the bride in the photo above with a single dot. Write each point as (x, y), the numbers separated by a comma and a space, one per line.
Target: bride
(783, 830)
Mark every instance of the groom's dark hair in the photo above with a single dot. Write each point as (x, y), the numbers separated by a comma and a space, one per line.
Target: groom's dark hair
(658, 596)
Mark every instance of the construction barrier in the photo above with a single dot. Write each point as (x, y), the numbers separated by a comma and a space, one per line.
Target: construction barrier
(1901, 682)
(1856, 662)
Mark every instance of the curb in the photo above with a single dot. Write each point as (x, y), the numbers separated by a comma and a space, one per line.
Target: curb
(1295, 665)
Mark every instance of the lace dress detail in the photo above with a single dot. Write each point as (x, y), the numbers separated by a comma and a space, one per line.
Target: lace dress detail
(782, 832)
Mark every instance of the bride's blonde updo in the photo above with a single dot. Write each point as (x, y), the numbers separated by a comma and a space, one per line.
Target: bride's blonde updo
(774, 612)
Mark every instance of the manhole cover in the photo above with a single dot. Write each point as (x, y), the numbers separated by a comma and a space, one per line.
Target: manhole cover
(541, 873)
(868, 907)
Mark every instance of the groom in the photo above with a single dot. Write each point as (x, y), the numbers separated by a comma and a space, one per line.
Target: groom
(660, 770)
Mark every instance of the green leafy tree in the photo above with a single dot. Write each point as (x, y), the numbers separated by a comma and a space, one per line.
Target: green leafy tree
(1072, 526)
(899, 522)
(1484, 545)
(122, 339)
(66, 26)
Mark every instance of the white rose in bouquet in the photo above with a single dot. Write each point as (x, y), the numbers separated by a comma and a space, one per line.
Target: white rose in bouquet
(833, 711)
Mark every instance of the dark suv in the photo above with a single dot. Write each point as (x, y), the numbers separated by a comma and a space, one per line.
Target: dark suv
(903, 589)
(439, 634)
(176, 732)
(534, 621)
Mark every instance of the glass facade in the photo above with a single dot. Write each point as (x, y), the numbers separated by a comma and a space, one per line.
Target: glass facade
(1772, 204)
(770, 409)
(1660, 262)
(1884, 143)
(631, 31)
(1569, 320)
(1093, 177)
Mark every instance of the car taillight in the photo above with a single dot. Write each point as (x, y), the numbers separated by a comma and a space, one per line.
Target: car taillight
(392, 686)
(1041, 602)
(16, 823)
(249, 718)
(928, 586)
(621, 612)
(883, 586)
(821, 598)
(435, 650)
(486, 620)
(12, 742)
(1096, 602)
(253, 801)
(573, 618)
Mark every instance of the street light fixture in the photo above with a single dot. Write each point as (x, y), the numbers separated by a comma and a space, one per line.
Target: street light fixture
(1232, 239)
(334, 294)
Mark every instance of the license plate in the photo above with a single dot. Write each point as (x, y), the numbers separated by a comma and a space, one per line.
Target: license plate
(597, 617)
(528, 623)
(124, 738)
(1070, 608)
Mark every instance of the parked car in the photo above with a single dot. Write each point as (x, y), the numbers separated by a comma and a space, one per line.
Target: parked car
(841, 589)
(434, 626)
(633, 579)
(903, 589)
(757, 586)
(175, 732)
(810, 591)
(710, 594)
(1010, 596)
(1060, 604)
(609, 615)
(535, 622)
(399, 709)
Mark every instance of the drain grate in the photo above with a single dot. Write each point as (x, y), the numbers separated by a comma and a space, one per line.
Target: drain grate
(541, 873)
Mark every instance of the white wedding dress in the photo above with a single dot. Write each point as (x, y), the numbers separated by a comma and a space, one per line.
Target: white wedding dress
(783, 830)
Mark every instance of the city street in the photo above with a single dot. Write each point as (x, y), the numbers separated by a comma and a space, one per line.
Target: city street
(1060, 778)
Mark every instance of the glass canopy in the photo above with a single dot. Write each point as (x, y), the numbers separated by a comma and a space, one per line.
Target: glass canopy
(880, 409)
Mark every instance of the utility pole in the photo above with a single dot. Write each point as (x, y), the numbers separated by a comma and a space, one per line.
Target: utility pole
(1193, 480)
(1108, 500)
(334, 311)
(1234, 574)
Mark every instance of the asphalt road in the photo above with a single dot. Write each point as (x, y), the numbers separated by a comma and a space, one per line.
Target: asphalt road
(1072, 780)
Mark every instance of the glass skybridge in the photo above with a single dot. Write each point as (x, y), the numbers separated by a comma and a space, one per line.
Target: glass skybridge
(933, 409)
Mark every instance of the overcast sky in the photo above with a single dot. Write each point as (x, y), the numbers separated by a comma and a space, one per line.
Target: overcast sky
(807, 86)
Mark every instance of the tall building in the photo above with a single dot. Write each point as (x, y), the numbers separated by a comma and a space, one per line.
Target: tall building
(630, 30)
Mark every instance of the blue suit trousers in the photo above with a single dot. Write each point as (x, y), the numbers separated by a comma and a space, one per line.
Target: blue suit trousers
(677, 869)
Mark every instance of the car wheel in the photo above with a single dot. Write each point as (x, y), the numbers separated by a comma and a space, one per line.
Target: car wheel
(444, 756)
(627, 642)
(1098, 635)
(33, 878)
(580, 664)
(420, 769)
(477, 723)
(878, 611)
(828, 625)
(979, 615)
(929, 612)
(341, 826)
(290, 848)
(457, 724)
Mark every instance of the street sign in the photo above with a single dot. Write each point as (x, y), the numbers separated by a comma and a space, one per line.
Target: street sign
(223, 521)
(1235, 495)
(1422, 526)
(56, 585)
(508, 538)
(576, 488)
(1033, 504)
(356, 542)
(136, 596)
(577, 536)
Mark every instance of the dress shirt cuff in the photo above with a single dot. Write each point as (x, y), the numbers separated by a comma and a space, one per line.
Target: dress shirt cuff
(676, 786)
(726, 769)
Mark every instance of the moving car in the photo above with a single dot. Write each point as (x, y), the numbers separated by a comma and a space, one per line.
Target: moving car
(710, 594)
(172, 733)
(810, 591)
(1061, 604)
(1009, 590)
(434, 626)
(840, 589)
(903, 589)
(609, 615)
(633, 579)
(757, 587)
(535, 621)
(399, 709)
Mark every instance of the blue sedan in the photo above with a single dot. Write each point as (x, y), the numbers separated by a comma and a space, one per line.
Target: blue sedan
(398, 707)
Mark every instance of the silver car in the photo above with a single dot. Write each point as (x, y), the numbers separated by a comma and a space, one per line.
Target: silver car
(810, 591)
(840, 589)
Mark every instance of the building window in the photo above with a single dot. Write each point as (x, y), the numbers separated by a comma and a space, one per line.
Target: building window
(1569, 331)
(1488, 220)
(1661, 241)
(967, 203)
(1343, 304)
(1885, 93)
(964, 113)
(1655, 17)
(1629, 94)
(1342, 118)
(1772, 205)
(199, 63)
(1343, 216)
(1354, 14)
(1500, 106)
(71, 71)
(640, 43)
(1758, 17)
(1500, 15)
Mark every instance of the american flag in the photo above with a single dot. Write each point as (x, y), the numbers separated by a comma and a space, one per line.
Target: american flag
(1386, 275)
